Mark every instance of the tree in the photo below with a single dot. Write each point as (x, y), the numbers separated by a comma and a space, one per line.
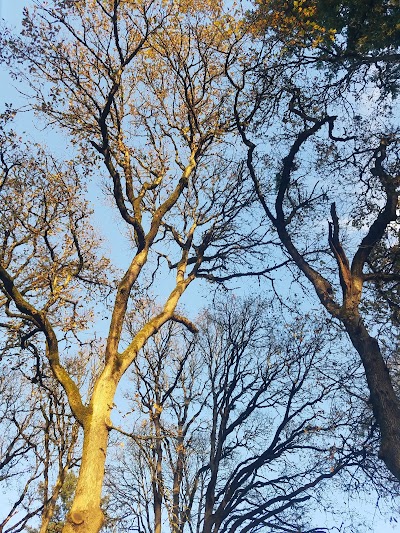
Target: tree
(354, 26)
(294, 192)
(142, 86)
(38, 446)
(54, 519)
(66, 497)
(238, 429)
(42, 253)
(150, 467)
(354, 40)
(17, 451)
(150, 96)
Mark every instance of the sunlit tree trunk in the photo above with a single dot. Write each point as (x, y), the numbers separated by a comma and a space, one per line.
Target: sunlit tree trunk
(86, 514)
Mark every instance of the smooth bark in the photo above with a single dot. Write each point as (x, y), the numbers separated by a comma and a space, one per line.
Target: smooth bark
(86, 514)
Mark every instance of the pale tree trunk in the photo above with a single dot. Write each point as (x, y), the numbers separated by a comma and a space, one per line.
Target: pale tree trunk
(86, 515)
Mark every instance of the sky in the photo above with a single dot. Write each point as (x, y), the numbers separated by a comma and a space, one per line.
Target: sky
(11, 11)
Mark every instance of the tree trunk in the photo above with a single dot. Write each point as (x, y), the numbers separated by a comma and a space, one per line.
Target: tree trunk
(385, 404)
(209, 507)
(50, 506)
(158, 479)
(86, 515)
(157, 502)
(176, 526)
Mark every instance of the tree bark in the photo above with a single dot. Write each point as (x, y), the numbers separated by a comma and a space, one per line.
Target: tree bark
(51, 504)
(385, 404)
(86, 515)
(157, 480)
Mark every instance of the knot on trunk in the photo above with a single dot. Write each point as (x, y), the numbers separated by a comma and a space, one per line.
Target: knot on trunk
(84, 520)
(76, 518)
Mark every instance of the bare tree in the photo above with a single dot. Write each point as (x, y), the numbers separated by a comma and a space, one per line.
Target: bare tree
(38, 448)
(246, 432)
(151, 96)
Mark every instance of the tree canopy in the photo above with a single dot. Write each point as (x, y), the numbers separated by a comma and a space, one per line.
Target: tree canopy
(361, 27)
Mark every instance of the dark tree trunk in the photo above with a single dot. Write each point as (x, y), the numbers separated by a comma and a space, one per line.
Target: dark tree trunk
(385, 404)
